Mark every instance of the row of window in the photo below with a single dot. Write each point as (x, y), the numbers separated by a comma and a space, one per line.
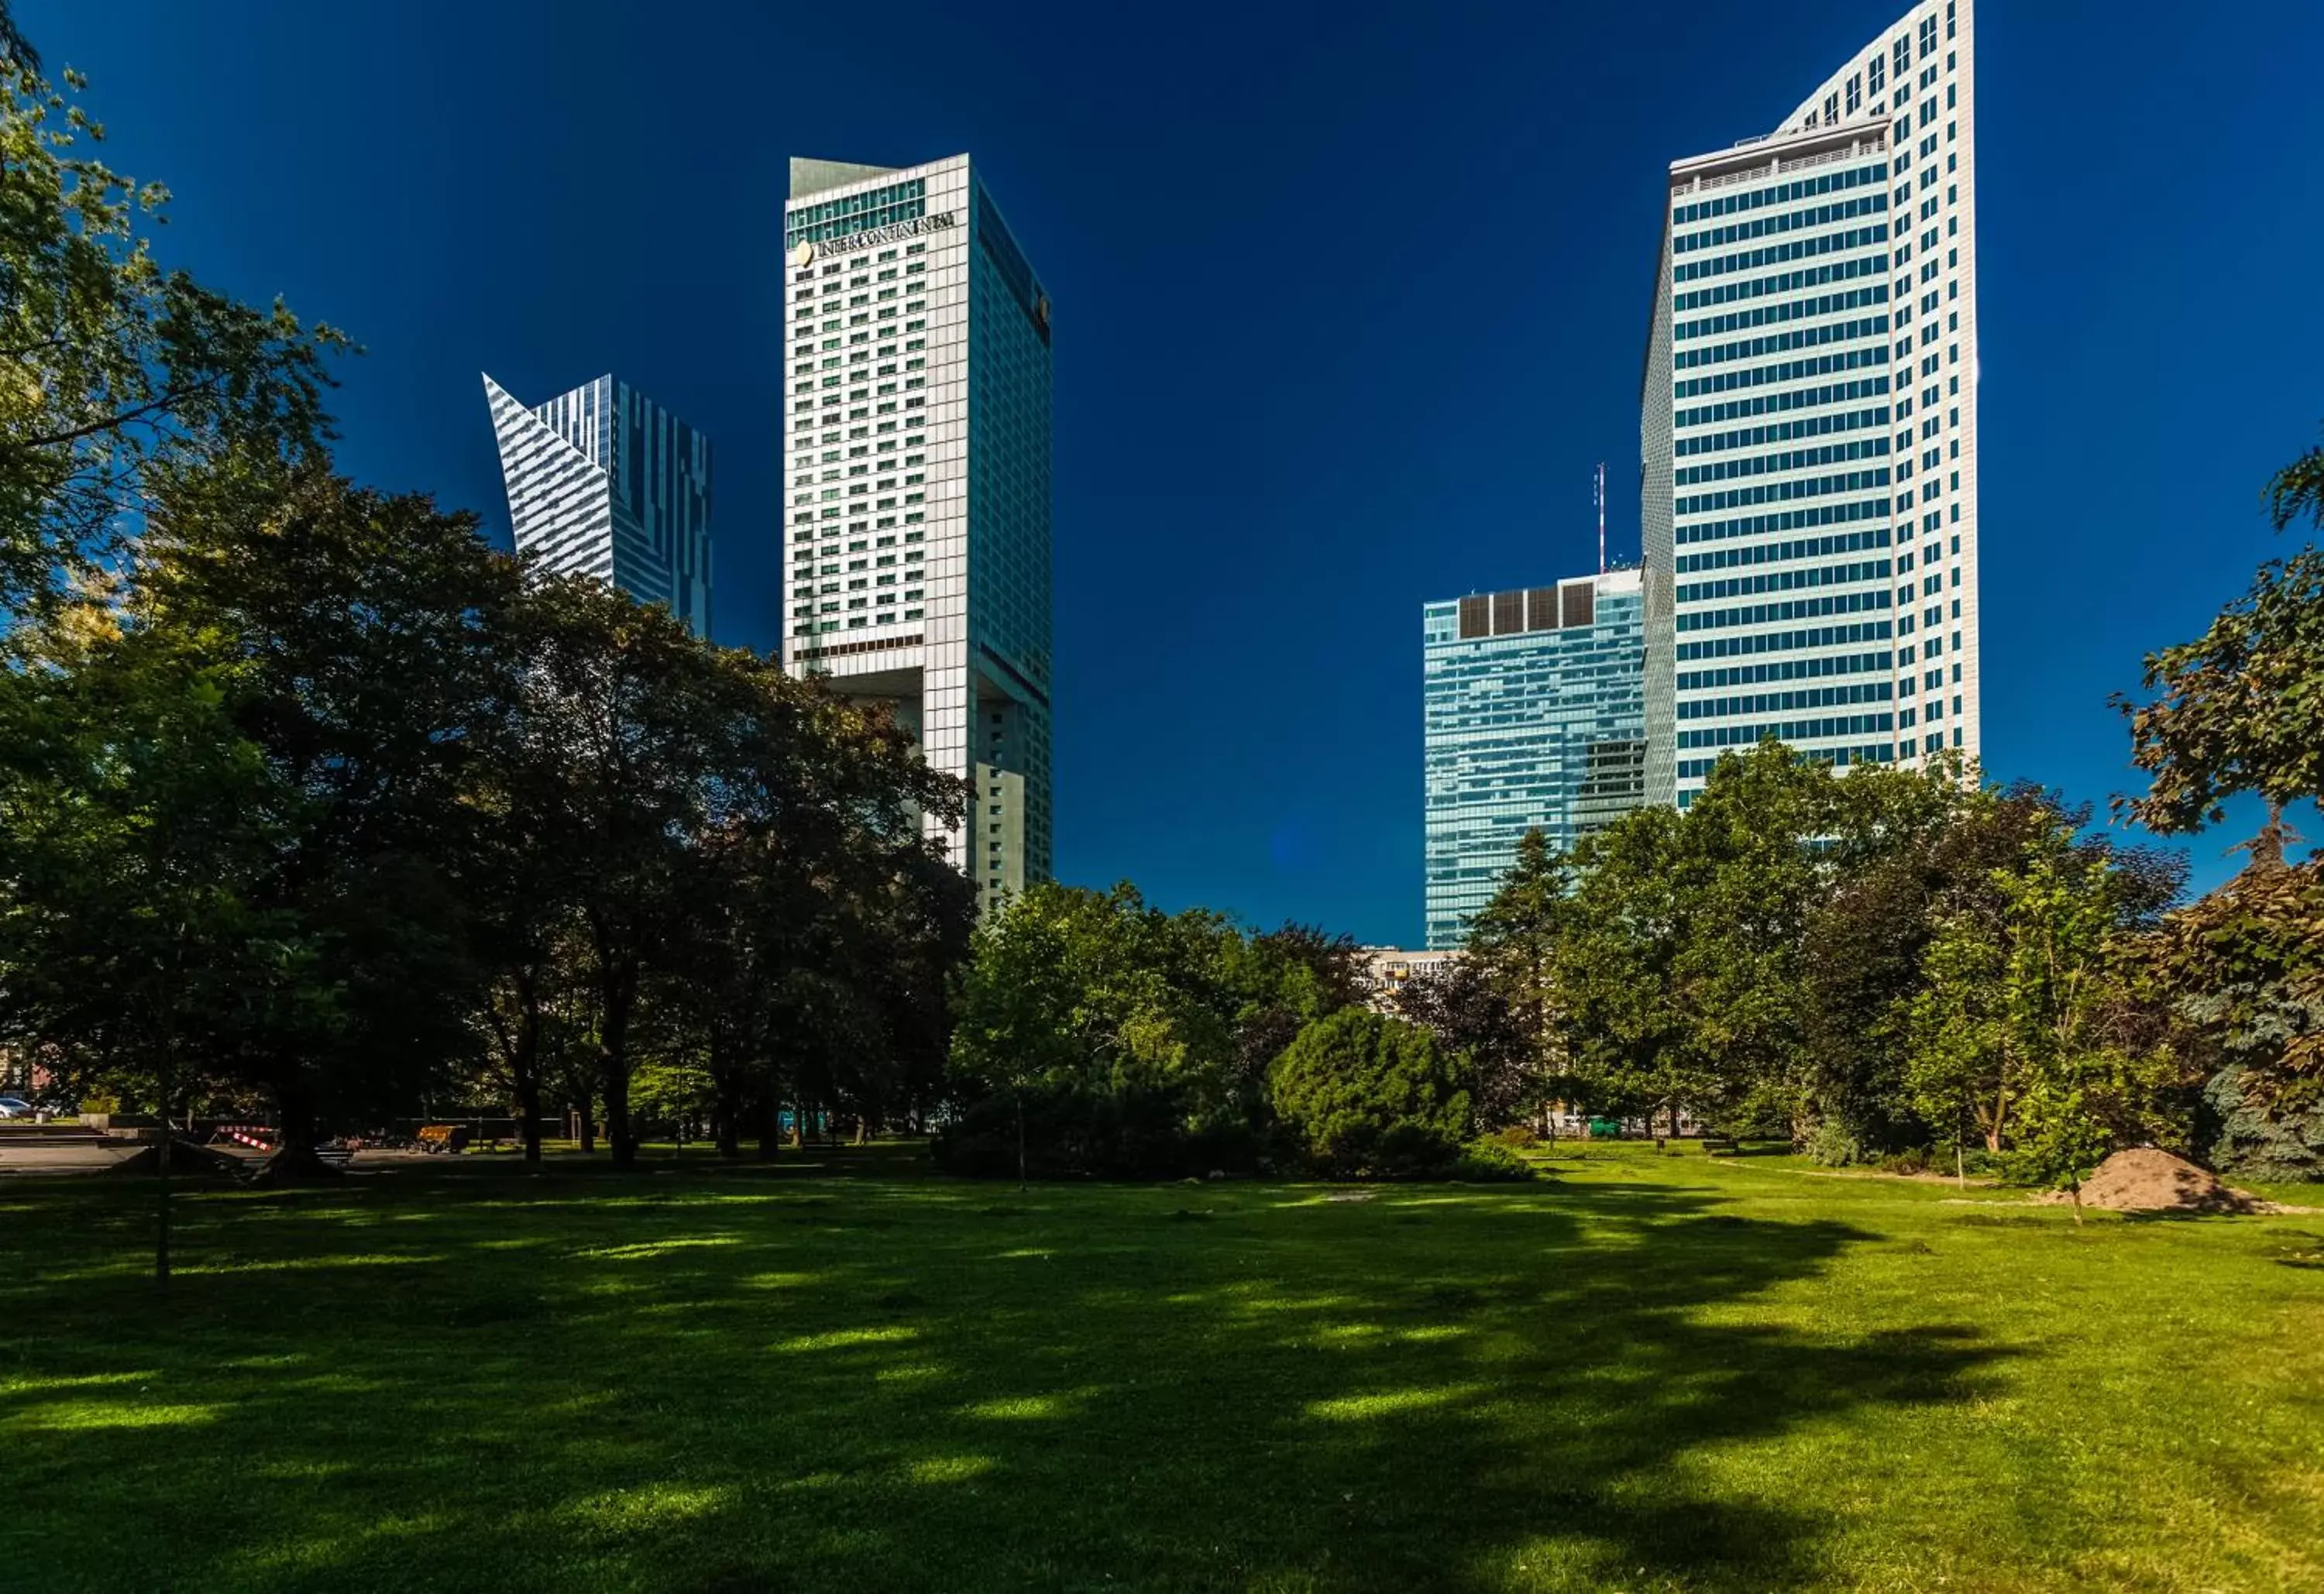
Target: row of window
(1806, 398)
(1837, 270)
(1696, 387)
(1789, 221)
(1847, 603)
(1782, 193)
(1737, 586)
(1790, 641)
(1785, 670)
(1846, 724)
(1797, 310)
(1878, 753)
(1775, 343)
(1782, 492)
(1719, 709)
(1777, 553)
(1790, 459)
(1788, 520)
(1750, 260)
(1783, 431)
(856, 213)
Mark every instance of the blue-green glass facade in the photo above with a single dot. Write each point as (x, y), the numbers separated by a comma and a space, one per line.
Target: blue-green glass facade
(1534, 716)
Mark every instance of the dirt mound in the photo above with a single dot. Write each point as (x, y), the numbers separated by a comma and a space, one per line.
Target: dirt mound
(2151, 1181)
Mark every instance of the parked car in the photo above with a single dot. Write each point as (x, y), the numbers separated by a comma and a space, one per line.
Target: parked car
(14, 1107)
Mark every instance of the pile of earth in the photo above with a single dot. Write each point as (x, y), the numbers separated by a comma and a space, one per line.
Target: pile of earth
(2151, 1181)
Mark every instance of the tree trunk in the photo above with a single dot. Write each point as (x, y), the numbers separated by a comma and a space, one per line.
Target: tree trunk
(294, 1160)
(587, 1107)
(770, 1126)
(1020, 1139)
(614, 1070)
(528, 1107)
(162, 1192)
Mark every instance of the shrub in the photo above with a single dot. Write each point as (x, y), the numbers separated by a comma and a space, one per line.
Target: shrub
(1363, 1095)
(1829, 1144)
(1914, 1161)
(1516, 1136)
(1076, 1132)
(1490, 1161)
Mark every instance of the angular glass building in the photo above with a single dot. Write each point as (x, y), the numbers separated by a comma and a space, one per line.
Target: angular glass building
(604, 482)
(1808, 430)
(917, 483)
(1534, 712)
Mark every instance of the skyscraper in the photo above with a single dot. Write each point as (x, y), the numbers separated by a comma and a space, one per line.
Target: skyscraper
(916, 481)
(1535, 715)
(1808, 429)
(604, 482)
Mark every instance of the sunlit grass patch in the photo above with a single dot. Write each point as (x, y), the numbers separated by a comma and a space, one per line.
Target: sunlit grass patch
(949, 1468)
(73, 1416)
(842, 1339)
(1389, 1402)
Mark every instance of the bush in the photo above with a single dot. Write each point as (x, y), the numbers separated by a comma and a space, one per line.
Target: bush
(1490, 1161)
(1361, 1095)
(1830, 1145)
(1905, 1162)
(1075, 1132)
(1516, 1136)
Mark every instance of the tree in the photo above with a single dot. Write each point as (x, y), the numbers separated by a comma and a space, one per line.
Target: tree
(2248, 962)
(2241, 708)
(1626, 1037)
(14, 48)
(1464, 1007)
(136, 831)
(1504, 989)
(120, 373)
(2032, 1023)
(1365, 1095)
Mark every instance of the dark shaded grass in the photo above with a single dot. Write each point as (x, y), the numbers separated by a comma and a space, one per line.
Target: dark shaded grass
(846, 1373)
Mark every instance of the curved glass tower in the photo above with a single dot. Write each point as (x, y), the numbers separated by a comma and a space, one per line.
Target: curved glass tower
(1808, 431)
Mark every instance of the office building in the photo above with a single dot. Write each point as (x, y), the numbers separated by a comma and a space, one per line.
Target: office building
(916, 481)
(1808, 425)
(1535, 719)
(604, 482)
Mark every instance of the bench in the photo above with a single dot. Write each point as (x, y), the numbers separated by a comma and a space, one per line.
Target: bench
(1719, 1146)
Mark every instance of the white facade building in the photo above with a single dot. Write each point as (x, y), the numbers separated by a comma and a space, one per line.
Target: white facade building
(1808, 427)
(917, 483)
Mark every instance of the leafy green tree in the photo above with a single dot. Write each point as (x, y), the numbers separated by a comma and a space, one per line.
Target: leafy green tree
(137, 831)
(1466, 1008)
(1365, 1095)
(2034, 1024)
(1507, 978)
(1629, 1044)
(2248, 962)
(120, 373)
(2241, 708)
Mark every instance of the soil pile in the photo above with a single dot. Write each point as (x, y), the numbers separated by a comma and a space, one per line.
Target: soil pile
(2151, 1181)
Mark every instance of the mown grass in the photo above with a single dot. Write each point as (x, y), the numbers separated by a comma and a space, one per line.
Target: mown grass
(846, 1373)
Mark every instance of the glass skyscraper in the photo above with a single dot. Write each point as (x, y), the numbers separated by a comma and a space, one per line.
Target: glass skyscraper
(604, 482)
(1534, 704)
(916, 483)
(1808, 425)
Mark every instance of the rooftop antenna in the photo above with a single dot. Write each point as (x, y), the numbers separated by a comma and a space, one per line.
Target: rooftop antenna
(1601, 517)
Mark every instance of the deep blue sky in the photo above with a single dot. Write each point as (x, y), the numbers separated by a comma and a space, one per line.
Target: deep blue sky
(1349, 300)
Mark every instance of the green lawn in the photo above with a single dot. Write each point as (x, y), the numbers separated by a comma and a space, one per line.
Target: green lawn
(846, 1373)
